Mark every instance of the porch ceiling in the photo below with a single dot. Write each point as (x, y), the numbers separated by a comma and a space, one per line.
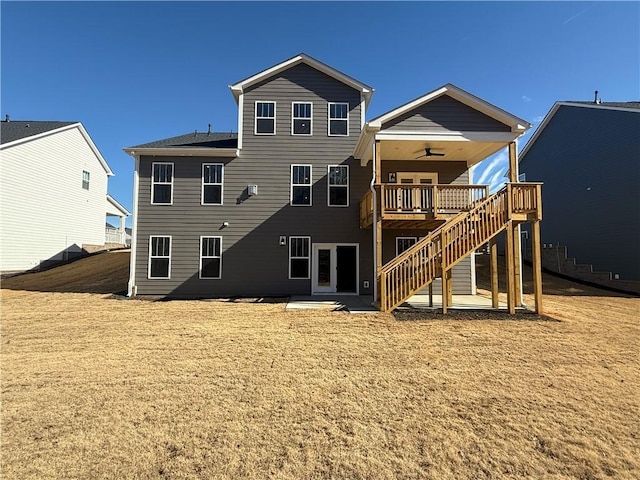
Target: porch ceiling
(469, 152)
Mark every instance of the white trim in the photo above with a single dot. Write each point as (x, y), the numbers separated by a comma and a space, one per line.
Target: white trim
(333, 288)
(184, 152)
(337, 119)
(240, 120)
(297, 258)
(443, 136)
(131, 287)
(201, 257)
(294, 118)
(118, 206)
(149, 277)
(153, 182)
(255, 117)
(221, 184)
(516, 124)
(363, 108)
(415, 240)
(329, 167)
(310, 185)
(238, 88)
(83, 132)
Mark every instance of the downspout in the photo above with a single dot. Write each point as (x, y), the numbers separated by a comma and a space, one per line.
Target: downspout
(132, 289)
(372, 186)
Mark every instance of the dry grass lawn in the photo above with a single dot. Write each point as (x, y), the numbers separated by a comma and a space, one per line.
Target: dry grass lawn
(97, 387)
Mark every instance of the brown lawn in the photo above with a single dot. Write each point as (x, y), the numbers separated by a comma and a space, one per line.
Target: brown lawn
(97, 387)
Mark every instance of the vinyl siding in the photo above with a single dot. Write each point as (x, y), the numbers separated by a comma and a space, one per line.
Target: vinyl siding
(589, 161)
(44, 209)
(445, 114)
(253, 262)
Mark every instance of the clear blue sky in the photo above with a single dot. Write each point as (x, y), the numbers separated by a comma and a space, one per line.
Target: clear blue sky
(137, 72)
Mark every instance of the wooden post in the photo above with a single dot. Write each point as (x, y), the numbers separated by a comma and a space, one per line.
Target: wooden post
(431, 294)
(517, 249)
(450, 287)
(493, 256)
(378, 164)
(511, 291)
(536, 265)
(445, 291)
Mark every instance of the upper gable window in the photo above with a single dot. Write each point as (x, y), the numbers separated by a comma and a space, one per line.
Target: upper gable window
(338, 119)
(301, 114)
(265, 118)
(162, 184)
(85, 180)
(212, 174)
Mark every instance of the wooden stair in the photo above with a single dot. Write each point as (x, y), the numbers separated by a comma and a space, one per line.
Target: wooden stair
(447, 245)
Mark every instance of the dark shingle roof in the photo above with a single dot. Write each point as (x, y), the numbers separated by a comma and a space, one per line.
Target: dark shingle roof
(609, 104)
(16, 130)
(196, 140)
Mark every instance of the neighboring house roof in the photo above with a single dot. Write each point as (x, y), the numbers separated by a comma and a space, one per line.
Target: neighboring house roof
(115, 208)
(209, 143)
(10, 131)
(238, 88)
(633, 107)
(14, 133)
(516, 123)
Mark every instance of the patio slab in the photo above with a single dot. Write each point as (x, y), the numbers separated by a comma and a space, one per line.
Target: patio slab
(352, 303)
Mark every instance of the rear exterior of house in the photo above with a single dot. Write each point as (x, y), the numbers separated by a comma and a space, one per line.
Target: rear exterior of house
(588, 155)
(286, 206)
(53, 193)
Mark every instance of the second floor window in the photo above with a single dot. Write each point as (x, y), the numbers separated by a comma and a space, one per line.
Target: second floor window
(265, 118)
(301, 185)
(212, 183)
(338, 119)
(301, 115)
(338, 177)
(85, 180)
(162, 184)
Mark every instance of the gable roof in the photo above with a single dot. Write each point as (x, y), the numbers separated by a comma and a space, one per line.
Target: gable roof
(517, 124)
(17, 132)
(115, 208)
(238, 88)
(633, 107)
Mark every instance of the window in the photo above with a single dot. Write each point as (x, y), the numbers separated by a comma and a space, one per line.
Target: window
(162, 184)
(265, 118)
(301, 185)
(210, 257)
(301, 115)
(212, 183)
(85, 180)
(338, 181)
(159, 257)
(338, 119)
(299, 257)
(404, 243)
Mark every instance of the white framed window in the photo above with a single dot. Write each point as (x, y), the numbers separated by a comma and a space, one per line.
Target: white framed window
(212, 182)
(301, 185)
(85, 180)
(162, 183)
(210, 257)
(404, 243)
(338, 119)
(159, 257)
(338, 185)
(299, 257)
(301, 118)
(265, 118)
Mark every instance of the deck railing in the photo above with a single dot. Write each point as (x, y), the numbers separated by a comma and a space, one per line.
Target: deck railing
(430, 198)
(442, 248)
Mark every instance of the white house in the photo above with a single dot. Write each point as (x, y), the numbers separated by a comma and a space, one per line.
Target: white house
(53, 193)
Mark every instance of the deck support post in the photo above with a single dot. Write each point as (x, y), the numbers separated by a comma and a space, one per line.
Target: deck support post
(517, 248)
(431, 294)
(445, 291)
(511, 286)
(377, 153)
(493, 257)
(450, 287)
(536, 265)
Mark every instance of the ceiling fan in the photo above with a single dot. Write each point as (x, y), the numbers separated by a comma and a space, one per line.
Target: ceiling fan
(428, 153)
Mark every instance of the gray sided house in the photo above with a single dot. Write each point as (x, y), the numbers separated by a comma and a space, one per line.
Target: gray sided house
(588, 156)
(286, 205)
